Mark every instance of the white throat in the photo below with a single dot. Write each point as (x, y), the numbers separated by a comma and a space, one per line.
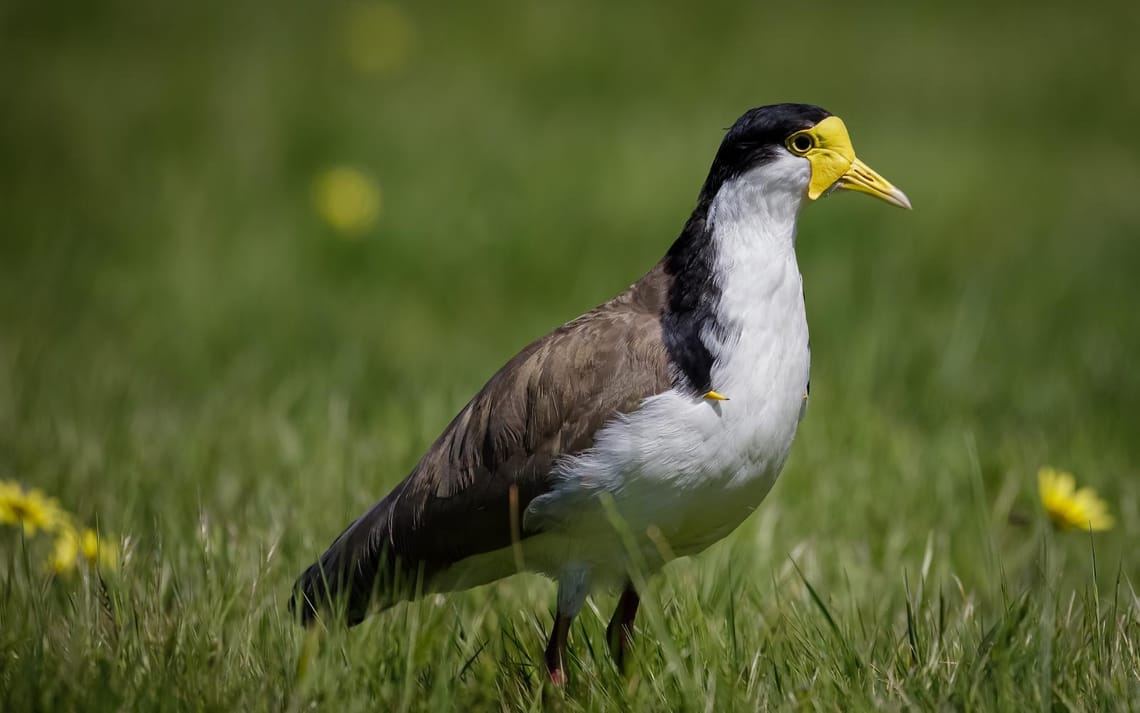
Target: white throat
(753, 219)
(754, 215)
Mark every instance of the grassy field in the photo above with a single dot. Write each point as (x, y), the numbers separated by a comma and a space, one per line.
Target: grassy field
(194, 361)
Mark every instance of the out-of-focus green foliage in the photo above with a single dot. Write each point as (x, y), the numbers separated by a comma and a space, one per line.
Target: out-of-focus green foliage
(192, 356)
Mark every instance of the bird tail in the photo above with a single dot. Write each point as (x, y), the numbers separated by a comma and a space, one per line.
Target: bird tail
(358, 569)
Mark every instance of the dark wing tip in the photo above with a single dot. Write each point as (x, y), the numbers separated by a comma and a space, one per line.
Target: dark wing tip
(308, 591)
(315, 595)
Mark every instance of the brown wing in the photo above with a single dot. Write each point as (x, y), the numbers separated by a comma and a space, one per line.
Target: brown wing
(547, 402)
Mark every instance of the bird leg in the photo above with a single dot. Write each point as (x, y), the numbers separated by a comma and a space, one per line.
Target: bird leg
(619, 634)
(556, 649)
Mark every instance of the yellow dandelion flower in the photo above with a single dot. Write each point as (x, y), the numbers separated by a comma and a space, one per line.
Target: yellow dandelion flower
(1068, 507)
(347, 199)
(97, 550)
(65, 554)
(30, 509)
(378, 37)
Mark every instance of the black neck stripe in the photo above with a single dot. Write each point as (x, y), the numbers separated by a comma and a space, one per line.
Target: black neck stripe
(692, 303)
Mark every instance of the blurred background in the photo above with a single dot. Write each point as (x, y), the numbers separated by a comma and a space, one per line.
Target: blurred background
(254, 256)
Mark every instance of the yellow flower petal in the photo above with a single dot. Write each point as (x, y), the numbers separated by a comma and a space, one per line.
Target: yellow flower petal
(1069, 508)
(98, 550)
(31, 510)
(65, 554)
(89, 544)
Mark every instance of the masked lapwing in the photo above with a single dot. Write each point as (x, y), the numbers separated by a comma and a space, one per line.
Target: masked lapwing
(654, 423)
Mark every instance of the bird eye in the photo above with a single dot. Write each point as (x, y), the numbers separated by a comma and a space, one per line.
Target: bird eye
(801, 143)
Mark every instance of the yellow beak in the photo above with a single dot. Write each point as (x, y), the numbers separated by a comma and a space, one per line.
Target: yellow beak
(860, 177)
(833, 164)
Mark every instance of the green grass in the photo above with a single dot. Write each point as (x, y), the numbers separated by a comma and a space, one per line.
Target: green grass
(192, 360)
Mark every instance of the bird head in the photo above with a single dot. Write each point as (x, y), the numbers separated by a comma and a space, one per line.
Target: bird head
(803, 146)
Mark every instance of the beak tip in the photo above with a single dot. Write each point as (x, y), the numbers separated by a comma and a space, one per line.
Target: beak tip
(901, 200)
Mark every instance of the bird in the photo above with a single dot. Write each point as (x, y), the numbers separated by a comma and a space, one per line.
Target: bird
(650, 427)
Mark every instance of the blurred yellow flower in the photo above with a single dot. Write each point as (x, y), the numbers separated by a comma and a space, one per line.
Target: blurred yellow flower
(30, 509)
(347, 199)
(72, 546)
(97, 550)
(377, 36)
(66, 551)
(36, 512)
(1068, 507)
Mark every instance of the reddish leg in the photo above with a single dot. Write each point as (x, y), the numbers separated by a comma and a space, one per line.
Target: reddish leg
(556, 649)
(619, 633)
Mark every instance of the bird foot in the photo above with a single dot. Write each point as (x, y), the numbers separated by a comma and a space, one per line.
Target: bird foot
(557, 677)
